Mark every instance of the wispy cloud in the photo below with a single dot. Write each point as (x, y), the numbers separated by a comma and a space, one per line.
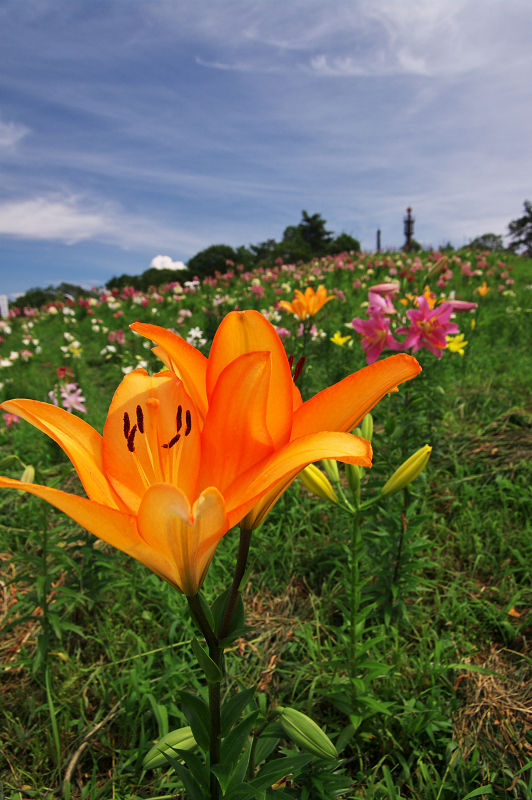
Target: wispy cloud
(72, 219)
(11, 133)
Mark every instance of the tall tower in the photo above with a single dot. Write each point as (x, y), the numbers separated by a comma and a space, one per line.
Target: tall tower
(409, 229)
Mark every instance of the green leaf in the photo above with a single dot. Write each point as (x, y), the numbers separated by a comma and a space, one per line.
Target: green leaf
(239, 772)
(223, 772)
(264, 747)
(196, 767)
(218, 610)
(192, 788)
(197, 713)
(241, 793)
(234, 741)
(487, 789)
(235, 634)
(212, 671)
(233, 708)
(275, 770)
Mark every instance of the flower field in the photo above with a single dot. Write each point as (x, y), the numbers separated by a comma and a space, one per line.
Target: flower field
(391, 605)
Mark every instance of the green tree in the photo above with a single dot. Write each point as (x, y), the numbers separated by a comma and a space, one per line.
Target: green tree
(344, 243)
(520, 231)
(488, 241)
(213, 258)
(312, 230)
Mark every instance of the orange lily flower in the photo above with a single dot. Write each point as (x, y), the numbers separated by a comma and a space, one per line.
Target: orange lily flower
(483, 289)
(184, 458)
(295, 432)
(308, 304)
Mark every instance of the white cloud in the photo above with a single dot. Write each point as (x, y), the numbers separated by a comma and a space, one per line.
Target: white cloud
(11, 133)
(49, 218)
(165, 262)
(71, 219)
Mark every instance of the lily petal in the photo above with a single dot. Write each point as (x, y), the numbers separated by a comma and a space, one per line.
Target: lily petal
(81, 443)
(108, 524)
(186, 537)
(341, 407)
(188, 363)
(246, 332)
(235, 434)
(275, 472)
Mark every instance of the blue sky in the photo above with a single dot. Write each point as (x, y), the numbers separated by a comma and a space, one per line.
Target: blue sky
(136, 128)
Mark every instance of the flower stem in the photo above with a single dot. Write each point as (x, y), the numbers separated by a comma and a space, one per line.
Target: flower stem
(355, 551)
(240, 570)
(216, 653)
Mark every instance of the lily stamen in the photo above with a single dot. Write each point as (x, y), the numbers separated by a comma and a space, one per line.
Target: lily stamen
(140, 419)
(189, 423)
(131, 439)
(127, 425)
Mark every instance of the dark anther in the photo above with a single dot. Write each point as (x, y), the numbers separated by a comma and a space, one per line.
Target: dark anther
(189, 423)
(140, 419)
(299, 368)
(178, 418)
(127, 424)
(290, 361)
(172, 442)
(131, 439)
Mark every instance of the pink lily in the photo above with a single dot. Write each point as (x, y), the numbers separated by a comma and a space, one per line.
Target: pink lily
(380, 304)
(375, 336)
(428, 328)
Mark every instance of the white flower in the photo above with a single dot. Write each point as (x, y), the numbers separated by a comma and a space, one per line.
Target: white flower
(127, 370)
(13, 355)
(68, 336)
(68, 311)
(52, 310)
(5, 362)
(195, 337)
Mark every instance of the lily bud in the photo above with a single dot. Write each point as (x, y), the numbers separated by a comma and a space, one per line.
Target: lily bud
(408, 471)
(367, 427)
(439, 266)
(317, 483)
(352, 472)
(331, 468)
(304, 732)
(28, 476)
(181, 739)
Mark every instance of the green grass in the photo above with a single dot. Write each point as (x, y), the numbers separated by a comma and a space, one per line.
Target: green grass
(90, 636)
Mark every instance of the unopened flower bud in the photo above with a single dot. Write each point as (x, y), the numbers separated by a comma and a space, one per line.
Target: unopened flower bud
(316, 482)
(352, 472)
(181, 739)
(367, 427)
(331, 468)
(408, 471)
(28, 476)
(305, 733)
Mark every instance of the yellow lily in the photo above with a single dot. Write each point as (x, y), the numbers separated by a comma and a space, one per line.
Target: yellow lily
(308, 304)
(299, 433)
(339, 339)
(456, 344)
(483, 289)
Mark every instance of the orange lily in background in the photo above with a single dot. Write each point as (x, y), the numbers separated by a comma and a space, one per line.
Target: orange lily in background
(295, 432)
(166, 481)
(483, 289)
(308, 304)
